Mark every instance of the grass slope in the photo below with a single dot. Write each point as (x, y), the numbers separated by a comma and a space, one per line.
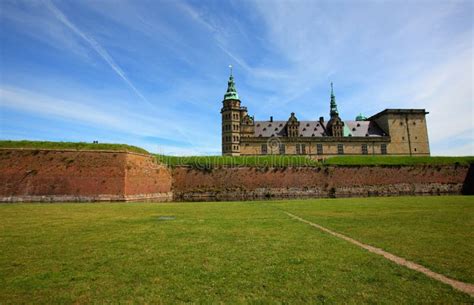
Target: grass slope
(70, 145)
(252, 161)
(291, 160)
(397, 160)
(231, 252)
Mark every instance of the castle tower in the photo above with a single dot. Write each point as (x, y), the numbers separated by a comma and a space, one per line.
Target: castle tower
(231, 117)
(335, 126)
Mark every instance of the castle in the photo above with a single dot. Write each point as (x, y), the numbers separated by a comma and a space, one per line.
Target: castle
(389, 132)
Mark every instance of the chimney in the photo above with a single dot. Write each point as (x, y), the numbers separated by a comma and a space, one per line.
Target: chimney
(271, 119)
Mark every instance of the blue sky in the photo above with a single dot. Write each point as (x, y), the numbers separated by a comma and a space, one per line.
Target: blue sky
(153, 73)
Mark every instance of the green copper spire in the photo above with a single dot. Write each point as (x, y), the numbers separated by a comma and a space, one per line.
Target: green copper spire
(334, 111)
(231, 93)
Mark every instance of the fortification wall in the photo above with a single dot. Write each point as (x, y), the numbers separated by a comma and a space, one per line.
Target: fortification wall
(191, 184)
(69, 175)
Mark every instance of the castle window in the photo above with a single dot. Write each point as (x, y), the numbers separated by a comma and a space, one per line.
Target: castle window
(383, 149)
(307, 125)
(304, 129)
(258, 125)
(276, 129)
(319, 149)
(401, 123)
(264, 129)
(403, 138)
(312, 135)
(416, 138)
(269, 125)
(317, 125)
(358, 124)
(282, 149)
(300, 149)
(364, 149)
(315, 129)
(281, 125)
(340, 149)
(414, 149)
(264, 149)
(414, 123)
(353, 129)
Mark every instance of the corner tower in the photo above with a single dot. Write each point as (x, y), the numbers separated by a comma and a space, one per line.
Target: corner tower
(231, 117)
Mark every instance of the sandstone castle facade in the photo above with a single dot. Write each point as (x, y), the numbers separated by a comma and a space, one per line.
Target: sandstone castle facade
(390, 132)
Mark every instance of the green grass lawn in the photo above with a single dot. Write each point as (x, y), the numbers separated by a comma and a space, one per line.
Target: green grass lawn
(252, 161)
(234, 252)
(70, 145)
(298, 161)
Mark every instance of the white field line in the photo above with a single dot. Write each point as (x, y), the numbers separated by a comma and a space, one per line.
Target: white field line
(461, 286)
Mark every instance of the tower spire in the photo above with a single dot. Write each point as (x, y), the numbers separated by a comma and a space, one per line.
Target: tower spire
(231, 93)
(333, 111)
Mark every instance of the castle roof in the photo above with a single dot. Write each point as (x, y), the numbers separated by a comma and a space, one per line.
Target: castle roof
(316, 129)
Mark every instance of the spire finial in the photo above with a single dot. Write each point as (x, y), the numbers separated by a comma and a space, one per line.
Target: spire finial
(333, 111)
(231, 93)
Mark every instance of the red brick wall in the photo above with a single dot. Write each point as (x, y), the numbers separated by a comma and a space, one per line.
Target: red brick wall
(145, 176)
(53, 175)
(79, 175)
(243, 183)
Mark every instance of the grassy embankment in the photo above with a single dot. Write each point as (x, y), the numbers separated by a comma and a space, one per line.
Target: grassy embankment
(237, 252)
(70, 145)
(287, 161)
(252, 161)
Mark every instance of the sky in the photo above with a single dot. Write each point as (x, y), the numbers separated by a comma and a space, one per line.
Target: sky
(154, 73)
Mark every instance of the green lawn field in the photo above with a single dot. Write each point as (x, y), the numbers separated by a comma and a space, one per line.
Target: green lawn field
(235, 252)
